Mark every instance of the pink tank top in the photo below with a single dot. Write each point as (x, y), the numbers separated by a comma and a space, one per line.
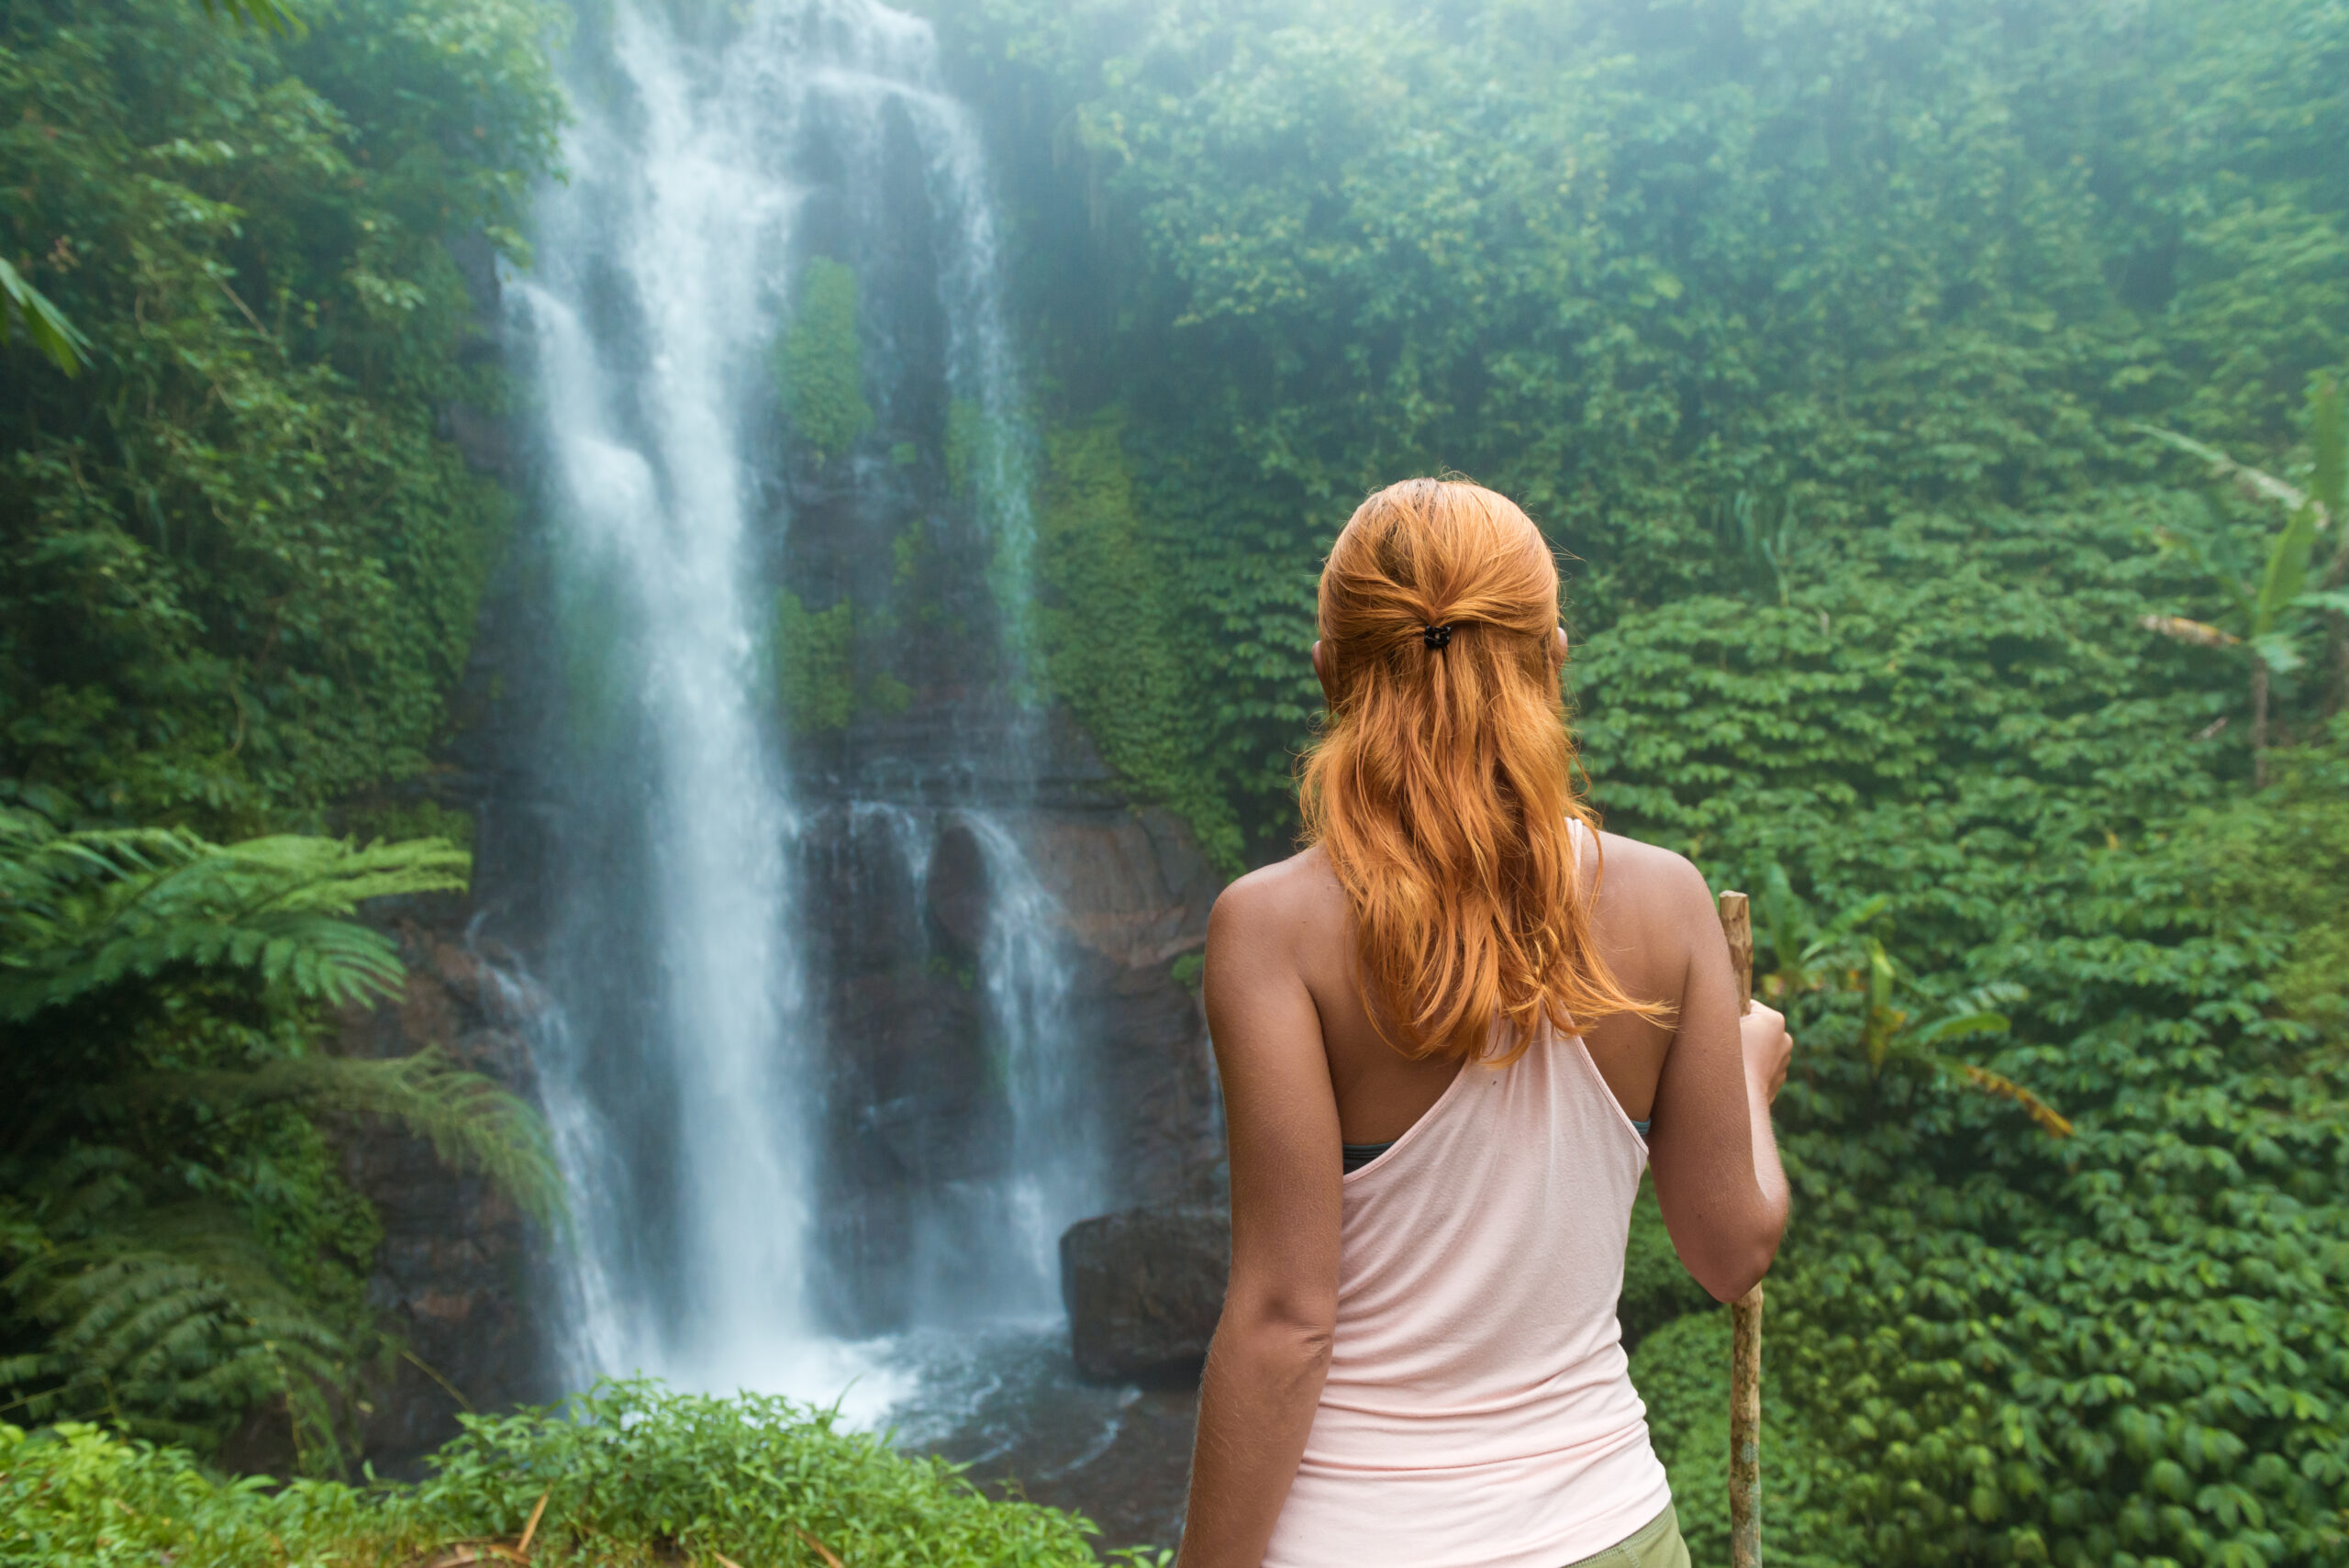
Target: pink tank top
(1479, 1410)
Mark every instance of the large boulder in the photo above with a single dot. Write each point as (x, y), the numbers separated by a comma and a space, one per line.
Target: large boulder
(1144, 1288)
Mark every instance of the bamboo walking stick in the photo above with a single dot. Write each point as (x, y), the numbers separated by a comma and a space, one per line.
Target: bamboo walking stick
(1745, 1316)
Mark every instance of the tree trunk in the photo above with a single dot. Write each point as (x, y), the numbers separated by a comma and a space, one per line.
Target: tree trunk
(2258, 722)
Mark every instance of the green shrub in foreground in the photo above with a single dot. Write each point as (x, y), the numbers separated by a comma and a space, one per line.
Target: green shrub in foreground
(631, 1473)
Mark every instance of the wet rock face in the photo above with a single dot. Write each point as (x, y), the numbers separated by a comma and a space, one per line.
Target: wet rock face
(918, 1119)
(1136, 892)
(955, 898)
(1143, 1290)
(450, 1283)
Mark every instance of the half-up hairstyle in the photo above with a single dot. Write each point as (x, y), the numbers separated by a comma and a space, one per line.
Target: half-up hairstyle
(1440, 786)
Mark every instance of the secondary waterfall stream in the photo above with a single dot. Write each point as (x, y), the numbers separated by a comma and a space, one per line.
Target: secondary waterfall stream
(801, 1003)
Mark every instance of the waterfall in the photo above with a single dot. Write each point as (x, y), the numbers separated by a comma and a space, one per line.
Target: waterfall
(799, 1001)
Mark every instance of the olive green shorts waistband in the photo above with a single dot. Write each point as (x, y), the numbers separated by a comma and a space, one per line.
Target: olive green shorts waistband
(1655, 1544)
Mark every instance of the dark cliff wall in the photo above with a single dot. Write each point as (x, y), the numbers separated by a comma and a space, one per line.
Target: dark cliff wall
(453, 1281)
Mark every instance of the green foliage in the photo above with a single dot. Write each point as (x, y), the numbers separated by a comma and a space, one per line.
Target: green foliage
(815, 663)
(1656, 1289)
(1627, 264)
(632, 1468)
(419, 819)
(1768, 546)
(266, 14)
(1682, 1371)
(1818, 333)
(178, 1245)
(631, 1475)
(23, 305)
(2265, 603)
(823, 675)
(2274, 609)
(240, 568)
(77, 1494)
(2282, 857)
(1986, 1343)
(83, 913)
(967, 439)
(1111, 649)
(819, 365)
(886, 695)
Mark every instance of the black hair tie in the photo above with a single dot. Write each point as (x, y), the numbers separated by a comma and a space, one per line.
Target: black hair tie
(1438, 637)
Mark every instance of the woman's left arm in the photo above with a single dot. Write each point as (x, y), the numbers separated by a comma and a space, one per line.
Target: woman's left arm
(1271, 1346)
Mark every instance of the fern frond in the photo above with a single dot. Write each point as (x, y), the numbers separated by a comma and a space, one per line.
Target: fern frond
(472, 1123)
(81, 913)
(331, 876)
(173, 1322)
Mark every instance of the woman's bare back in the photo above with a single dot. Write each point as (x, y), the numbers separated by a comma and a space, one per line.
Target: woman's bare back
(1649, 899)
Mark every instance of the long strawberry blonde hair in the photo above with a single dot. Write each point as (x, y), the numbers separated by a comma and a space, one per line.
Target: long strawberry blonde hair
(1441, 785)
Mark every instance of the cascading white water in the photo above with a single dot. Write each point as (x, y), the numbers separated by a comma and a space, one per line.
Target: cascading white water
(703, 1093)
(1026, 981)
(647, 459)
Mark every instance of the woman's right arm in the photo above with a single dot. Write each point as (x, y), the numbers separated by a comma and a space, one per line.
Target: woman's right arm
(1714, 1157)
(1271, 1347)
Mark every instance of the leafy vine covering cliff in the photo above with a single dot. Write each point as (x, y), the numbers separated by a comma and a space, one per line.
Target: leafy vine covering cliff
(241, 564)
(1630, 261)
(1832, 341)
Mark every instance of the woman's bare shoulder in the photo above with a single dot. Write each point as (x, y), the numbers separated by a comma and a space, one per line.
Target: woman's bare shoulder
(1649, 894)
(1645, 863)
(1300, 895)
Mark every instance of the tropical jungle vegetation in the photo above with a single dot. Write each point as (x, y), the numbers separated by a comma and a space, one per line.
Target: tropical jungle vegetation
(243, 563)
(1938, 401)
(624, 1474)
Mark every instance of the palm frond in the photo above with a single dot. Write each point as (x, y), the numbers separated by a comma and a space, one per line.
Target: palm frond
(1956, 1026)
(2259, 485)
(2287, 571)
